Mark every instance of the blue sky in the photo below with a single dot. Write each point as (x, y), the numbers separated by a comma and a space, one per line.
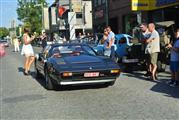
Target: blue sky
(8, 12)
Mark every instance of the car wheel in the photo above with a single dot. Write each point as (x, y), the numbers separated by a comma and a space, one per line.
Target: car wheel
(48, 82)
(37, 73)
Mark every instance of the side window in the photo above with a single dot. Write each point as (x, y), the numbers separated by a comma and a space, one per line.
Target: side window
(122, 40)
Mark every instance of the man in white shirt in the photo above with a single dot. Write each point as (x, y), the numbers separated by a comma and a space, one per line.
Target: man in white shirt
(153, 48)
(110, 50)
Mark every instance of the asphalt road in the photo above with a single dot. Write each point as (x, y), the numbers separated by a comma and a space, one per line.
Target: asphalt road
(132, 97)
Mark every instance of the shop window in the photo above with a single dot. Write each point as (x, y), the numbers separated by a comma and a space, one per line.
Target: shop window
(99, 2)
(104, 1)
(78, 15)
(129, 22)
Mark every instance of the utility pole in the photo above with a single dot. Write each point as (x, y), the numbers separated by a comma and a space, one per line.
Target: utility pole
(70, 5)
(107, 13)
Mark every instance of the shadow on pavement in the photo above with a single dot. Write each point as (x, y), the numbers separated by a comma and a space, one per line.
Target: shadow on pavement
(137, 75)
(140, 76)
(20, 69)
(41, 81)
(23, 98)
(169, 91)
(160, 85)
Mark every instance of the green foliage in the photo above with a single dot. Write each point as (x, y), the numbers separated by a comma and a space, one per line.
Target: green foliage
(30, 13)
(3, 32)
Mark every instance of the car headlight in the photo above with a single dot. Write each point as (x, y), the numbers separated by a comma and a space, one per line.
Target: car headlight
(115, 71)
(67, 74)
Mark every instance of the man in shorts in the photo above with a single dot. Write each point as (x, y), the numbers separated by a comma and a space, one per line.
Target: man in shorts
(153, 48)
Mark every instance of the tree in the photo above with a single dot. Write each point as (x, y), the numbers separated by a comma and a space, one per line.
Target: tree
(3, 32)
(30, 12)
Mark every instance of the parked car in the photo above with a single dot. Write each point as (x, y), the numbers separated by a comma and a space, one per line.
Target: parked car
(74, 64)
(122, 42)
(4, 42)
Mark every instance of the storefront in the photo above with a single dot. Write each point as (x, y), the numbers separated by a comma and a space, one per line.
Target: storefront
(157, 10)
(100, 15)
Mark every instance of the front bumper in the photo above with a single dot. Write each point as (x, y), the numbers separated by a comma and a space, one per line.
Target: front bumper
(86, 82)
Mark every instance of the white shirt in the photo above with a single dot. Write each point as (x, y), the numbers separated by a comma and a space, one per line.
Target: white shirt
(154, 46)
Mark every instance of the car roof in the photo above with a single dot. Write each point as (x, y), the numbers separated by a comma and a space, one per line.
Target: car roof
(118, 36)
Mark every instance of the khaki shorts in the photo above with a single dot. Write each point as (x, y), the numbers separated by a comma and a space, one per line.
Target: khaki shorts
(153, 58)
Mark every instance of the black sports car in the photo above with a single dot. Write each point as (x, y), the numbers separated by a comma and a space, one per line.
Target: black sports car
(73, 64)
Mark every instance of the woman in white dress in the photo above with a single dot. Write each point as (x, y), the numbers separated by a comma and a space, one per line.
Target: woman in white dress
(27, 50)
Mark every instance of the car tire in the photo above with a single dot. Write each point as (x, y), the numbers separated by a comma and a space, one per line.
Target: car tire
(37, 73)
(48, 82)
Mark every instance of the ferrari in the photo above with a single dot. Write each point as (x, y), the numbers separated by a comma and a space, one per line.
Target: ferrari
(74, 64)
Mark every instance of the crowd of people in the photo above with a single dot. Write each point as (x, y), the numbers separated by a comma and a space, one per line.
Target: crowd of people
(151, 40)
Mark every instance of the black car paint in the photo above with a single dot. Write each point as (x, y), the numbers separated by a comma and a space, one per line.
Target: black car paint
(76, 64)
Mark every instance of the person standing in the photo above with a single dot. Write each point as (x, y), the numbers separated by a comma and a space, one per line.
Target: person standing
(16, 44)
(153, 48)
(145, 34)
(44, 40)
(27, 50)
(174, 61)
(110, 49)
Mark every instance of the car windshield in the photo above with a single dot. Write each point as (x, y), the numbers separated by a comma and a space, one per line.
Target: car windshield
(72, 50)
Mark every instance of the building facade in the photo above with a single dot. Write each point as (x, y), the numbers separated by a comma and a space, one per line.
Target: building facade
(81, 17)
(124, 15)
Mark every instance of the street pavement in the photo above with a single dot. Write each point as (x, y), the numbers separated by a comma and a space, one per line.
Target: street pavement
(132, 97)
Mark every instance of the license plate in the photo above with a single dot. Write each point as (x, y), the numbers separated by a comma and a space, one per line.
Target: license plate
(91, 74)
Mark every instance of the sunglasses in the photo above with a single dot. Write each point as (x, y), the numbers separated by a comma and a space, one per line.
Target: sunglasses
(105, 31)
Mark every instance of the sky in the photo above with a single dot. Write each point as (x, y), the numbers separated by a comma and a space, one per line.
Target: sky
(8, 12)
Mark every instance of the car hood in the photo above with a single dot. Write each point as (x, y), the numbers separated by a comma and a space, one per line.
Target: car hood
(83, 63)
